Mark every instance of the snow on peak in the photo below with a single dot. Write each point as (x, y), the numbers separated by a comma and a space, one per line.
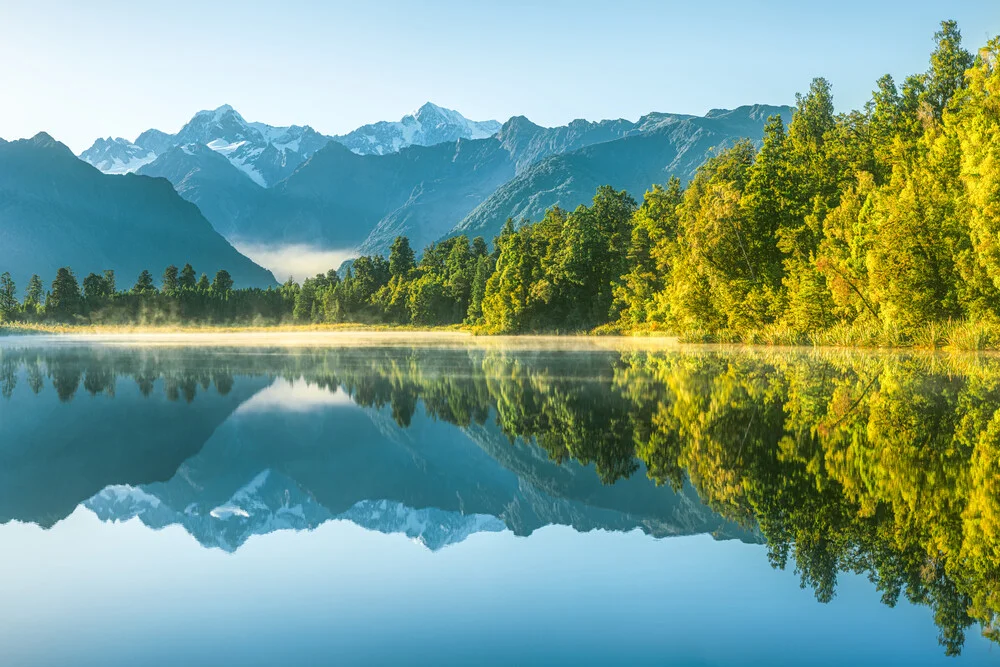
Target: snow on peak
(219, 113)
(117, 156)
(428, 125)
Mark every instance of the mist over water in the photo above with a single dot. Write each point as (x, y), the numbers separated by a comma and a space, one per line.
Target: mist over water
(296, 260)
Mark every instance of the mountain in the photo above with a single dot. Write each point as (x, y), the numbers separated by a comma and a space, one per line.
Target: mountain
(341, 200)
(56, 210)
(207, 179)
(118, 156)
(657, 147)
(528, 143)
(359, 191)
(427, 126)
(266, 154)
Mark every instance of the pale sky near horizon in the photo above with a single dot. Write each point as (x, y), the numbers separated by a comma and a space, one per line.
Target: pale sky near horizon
(115, 68)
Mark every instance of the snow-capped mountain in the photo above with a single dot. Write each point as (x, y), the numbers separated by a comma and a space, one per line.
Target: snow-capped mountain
(427, 126)
(266, 154)
(117, 155)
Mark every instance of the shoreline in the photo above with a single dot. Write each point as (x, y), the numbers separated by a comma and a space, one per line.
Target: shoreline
(454, 336)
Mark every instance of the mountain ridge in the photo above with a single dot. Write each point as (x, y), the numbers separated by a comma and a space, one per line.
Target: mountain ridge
(57, 211)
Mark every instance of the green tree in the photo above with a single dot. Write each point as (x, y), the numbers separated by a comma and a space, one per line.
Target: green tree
(144, 283)
(65, 301)
(171, 282)
(949, 61)
(187, 279)
(9, 307)
(223, 282)
(401, 258)
(34, 296)
(96, 291)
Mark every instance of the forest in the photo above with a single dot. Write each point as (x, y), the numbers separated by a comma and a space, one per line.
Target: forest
(879, 226)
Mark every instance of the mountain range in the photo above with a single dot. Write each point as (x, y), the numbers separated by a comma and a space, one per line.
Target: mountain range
(431, 175)
(56, 211)
(266, 153)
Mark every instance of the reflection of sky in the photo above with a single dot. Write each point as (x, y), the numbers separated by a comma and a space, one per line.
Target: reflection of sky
(91, 593)
(296, 396)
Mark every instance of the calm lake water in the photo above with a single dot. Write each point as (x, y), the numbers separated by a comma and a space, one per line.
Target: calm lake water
(484, 505)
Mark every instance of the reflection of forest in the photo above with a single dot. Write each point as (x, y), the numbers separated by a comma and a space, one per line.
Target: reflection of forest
(883, 465)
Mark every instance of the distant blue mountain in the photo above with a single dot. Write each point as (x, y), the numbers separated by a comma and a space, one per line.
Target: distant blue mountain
(57, 211)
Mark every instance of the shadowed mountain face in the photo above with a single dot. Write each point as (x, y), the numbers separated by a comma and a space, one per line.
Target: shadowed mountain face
(651, 151)
(342, 200)
(354, 195)
(74, 422)
(57, 211)
(874, 464)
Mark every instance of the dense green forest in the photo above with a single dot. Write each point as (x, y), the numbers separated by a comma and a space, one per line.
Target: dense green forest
(877, 226)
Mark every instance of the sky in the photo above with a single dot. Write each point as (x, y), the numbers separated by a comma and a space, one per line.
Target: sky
(115, 68)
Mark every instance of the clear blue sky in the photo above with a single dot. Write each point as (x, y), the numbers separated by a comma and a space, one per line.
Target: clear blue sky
(85, 69)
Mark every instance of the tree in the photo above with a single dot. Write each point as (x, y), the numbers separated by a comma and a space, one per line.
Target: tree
(171, 282)
(401, 258)
(223, 282)
(203, 284)
(34, 296)
(96, 290)
(109, 281)
(187, 279)
(949, 61)
(65, 301)
(9, 307)
(144, 283)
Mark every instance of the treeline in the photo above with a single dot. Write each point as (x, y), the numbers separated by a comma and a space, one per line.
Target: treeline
(181, 297)
(438, 290)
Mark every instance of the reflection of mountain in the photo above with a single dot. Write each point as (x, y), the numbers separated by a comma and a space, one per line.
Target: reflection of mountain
(296, 455)
(55, 452)
(876, 464)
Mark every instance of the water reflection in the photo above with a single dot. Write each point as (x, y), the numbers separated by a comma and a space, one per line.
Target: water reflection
(882, 465)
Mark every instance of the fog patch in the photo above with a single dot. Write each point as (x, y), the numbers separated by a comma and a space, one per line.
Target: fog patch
(296, 260)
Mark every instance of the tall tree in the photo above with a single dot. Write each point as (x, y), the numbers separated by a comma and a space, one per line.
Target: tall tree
(9, 307)
(34, 296)
(171, 282)
(223, 282)
(65, 301)
(188, 279)
(401, 258)
(949, 61)
(144, 283)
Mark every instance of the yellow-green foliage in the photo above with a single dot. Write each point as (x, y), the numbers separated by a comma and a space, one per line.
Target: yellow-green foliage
(874, 227)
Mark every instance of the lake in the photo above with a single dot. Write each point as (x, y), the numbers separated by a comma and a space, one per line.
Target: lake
(492, 502)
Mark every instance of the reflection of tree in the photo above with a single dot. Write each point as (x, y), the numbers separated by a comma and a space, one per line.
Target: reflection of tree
(886, 466)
